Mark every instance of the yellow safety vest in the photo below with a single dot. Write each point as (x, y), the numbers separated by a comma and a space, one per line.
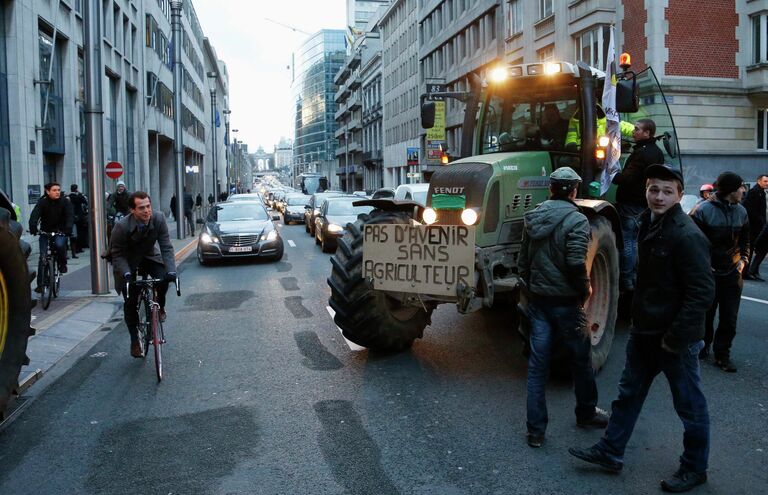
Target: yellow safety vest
(574, 130)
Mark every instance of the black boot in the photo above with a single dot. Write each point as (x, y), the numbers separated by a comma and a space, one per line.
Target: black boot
(73, 247)
(683, 480)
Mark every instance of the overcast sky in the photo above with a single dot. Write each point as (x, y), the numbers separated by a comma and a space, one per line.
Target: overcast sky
(257, 53)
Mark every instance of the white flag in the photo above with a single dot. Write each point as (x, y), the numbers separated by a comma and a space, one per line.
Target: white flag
(612, 130)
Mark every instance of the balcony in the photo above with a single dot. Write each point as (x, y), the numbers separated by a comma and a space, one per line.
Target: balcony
(354, 125)
(340, 131)
(355, 81)
(372, 156)
(544, 27)
(355, 146)
(341, 94)
(579, 9)
(341, 111)
(354, 103)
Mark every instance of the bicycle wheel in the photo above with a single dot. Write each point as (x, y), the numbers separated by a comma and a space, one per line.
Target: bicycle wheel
(142, 327)
(157, 340)
(55, 280)
(47, 285)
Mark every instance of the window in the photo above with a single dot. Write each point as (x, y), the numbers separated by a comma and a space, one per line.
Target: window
(545, 8)
(592, 46)
(762, 129)
(760, 38)
(52, 105)
(515, 23)
(546, 54)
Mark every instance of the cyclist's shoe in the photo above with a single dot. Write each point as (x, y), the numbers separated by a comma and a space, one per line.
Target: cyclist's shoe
(63, 269)
(136, 349)
(39, 289)
(163, 315)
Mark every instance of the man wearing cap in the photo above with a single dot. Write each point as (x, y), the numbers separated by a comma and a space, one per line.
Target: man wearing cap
(756, 204)
(119, 200)
(725, 223)
(673, 292)
(553, 265)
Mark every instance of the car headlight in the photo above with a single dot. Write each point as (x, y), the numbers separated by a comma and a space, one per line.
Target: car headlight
(469, 216)
(429, 216)
(333, 228)
(271, 236)
(205, 238)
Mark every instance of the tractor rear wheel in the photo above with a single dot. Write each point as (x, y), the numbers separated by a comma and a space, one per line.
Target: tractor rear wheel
(374, 319)
(602, 307)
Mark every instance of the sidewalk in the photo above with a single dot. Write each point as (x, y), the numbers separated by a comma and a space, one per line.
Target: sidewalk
(77, 313)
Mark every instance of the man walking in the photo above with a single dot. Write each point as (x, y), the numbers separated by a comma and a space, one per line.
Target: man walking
(552, 263)
(630, 195)
(673, 292)
(756, 204)
(54, 214)
(725, 223)
(80, 209)
(189, 204)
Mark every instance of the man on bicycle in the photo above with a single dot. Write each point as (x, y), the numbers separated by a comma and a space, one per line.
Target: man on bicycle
(140, 244)
(54, 214)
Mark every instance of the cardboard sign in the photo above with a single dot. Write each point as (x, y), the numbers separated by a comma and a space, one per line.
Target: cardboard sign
(423, 259)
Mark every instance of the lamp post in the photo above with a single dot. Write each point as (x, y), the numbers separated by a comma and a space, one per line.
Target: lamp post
(236, 161)
(226, 113)
(178, 144)
(215, 185)
(346, 161)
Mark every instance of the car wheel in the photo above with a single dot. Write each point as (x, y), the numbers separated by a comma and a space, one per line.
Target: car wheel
(317, 237)
(306, 226)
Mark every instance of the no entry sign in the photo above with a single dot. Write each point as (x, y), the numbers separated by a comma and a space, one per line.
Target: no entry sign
(114, 170)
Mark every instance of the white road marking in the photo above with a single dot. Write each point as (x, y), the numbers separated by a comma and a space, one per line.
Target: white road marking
(352, 345)
(291, 243)
(761, 301)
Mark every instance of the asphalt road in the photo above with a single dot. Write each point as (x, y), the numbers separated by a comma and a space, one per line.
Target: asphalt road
(264, 396)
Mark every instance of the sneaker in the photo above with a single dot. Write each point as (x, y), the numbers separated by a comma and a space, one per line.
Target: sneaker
(683, 480)
(597, 420)
(63, 269)
(593, 455)
(162, 315)
(136, 349)
(704, 353)
(726, 365)
(534, 440)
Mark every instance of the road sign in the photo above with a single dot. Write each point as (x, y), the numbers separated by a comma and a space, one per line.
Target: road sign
(114, 170)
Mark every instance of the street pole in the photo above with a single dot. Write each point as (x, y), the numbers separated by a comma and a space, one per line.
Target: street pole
(213, 143)
(226, 148)
(346, 161)
(94, 139)
(178, 145)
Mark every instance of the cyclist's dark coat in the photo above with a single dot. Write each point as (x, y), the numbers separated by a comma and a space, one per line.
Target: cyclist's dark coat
(129, 245)
(53, 215)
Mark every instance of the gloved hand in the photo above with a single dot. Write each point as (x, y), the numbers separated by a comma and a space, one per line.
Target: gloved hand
(33, 230)
(170, 276)
(127, 276)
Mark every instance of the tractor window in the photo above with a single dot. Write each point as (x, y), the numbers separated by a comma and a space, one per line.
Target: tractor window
(492, 209)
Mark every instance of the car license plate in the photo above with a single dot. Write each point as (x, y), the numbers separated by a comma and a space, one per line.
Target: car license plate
(241, 249)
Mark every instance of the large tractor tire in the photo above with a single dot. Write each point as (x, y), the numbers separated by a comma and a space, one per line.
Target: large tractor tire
(602, 307)
(369, 318)
(15, 306)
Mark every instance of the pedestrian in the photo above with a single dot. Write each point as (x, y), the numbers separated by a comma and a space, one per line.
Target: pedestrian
(706, 191)
(173, 208)
(553, 266)
(673, 292)
(630, 196)
(760, 250)
(54, 215)
(211, 199)
(725, 223)
(223, 196)
(188, 205)
(199, 201)
(81, 210)
(756, 204)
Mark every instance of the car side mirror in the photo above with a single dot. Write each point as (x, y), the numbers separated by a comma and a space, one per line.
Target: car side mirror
(428, 115)
(627, 95)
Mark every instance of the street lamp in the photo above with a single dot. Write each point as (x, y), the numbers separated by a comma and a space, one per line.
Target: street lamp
(226, 113)
(236, 164)
(215, 186)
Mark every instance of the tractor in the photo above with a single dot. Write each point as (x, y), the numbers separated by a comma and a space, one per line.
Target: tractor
(512, 140)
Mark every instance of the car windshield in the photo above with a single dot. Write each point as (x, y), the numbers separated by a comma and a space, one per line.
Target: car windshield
(297, 200)
(346, 208)
(235, 212)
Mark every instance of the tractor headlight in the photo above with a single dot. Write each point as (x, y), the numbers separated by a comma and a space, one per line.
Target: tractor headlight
(499, 74)
(552, 68)
(603, 141)
(469, 216)
(429, 216)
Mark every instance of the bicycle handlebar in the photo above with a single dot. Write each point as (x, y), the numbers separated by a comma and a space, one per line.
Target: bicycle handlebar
(151, 282)
(50, 234)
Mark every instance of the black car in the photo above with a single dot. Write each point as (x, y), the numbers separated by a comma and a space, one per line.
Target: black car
(237, 230)
(313, 208)
(331, 222)
(293, 211)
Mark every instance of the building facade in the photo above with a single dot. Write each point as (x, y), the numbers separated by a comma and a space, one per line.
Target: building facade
(349, 121)
(710, 58)
(372, 121)
(400, 91)
(42, 97)
(283, 155)
(217, 101)
(359, 13)
(317, 62)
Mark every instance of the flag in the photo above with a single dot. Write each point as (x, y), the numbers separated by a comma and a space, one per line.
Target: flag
(612, 130)
(218, 119)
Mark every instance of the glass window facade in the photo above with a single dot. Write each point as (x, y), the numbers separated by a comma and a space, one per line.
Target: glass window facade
(51, 95)
(5, 143)
(318, 61)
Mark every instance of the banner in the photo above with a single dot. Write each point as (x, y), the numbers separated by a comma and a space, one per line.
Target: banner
(613, 151)
(437, 133)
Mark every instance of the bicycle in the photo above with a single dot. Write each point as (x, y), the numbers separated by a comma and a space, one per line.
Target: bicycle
(50, 278)
(150, 328)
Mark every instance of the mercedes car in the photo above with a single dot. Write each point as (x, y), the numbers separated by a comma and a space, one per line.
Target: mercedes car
(238, 230)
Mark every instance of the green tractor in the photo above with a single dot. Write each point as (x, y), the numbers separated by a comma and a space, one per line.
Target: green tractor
(15, 302)
(393, 267)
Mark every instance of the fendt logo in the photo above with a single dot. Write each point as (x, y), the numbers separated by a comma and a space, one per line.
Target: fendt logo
(449, 190)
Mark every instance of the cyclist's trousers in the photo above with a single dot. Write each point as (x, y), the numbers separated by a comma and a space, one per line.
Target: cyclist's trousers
(59, 250)
(130, 308)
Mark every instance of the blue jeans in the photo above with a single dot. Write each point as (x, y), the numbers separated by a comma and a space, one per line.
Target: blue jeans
(59, 251)
(549, 324)
(630, 229)
(645, 360)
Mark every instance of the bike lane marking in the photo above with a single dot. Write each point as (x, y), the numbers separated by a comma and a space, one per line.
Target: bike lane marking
(761, 301)
(352, 346)
(291, 243)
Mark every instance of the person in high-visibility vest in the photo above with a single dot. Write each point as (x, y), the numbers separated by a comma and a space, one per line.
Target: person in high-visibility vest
(573, 137)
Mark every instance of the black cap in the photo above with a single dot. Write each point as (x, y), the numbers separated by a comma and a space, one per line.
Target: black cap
(727, 182)
(664, 171)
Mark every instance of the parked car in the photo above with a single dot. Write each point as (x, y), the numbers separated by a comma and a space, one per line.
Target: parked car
(239, 229)
(313, 208)
(384, 193)
(331, 222)
(413, 192)
(294, 207)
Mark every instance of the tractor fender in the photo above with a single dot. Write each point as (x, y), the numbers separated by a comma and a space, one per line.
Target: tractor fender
(599, 207)
(386, 204)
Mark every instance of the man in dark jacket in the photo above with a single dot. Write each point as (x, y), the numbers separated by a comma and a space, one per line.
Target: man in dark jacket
(674, 289)
(725, 223)
(119, 200)
(80, 209)
(553, 265)
(630, 195)
(140, 243)
(756, 206)
(54, 214)
(189, 203)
